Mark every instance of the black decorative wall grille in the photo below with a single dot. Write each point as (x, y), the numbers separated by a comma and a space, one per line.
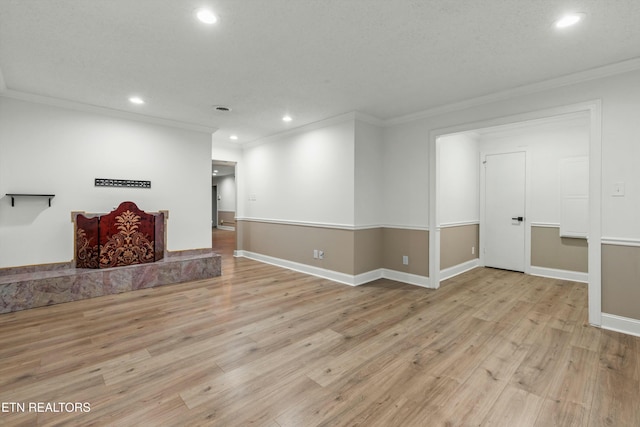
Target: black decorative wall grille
(127, 183)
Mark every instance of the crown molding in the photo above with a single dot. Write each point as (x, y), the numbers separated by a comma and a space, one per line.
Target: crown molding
(570, 79)
(368, 118)
(575, 78)
(79, 106)
(352, 116)
(562, 121)
(227, 144)
(300, 129)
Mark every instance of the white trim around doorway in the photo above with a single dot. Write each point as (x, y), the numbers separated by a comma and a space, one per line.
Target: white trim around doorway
(594, 110)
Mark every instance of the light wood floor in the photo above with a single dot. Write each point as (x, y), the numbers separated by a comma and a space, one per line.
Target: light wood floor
(264, 346)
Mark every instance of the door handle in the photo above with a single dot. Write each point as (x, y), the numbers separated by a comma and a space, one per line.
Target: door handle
(518, 218)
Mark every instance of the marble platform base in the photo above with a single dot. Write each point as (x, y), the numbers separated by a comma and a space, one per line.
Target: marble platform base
(37, 286)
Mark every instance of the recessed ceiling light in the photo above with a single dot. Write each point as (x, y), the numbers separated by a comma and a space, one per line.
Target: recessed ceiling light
(215, 171)
(287, 118)
(569, 20)
(136, 100)
(206, 16)
(234, 137)
(214, 174)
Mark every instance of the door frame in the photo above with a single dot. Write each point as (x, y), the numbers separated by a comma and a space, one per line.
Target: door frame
(214, 206)
(527, 204)
(594, 110)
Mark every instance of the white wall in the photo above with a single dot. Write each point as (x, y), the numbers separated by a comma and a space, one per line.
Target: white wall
(226, 192)
(226, 151)
(369, 208)
(406, 148)
(406, 175)
(302, 176)
(46, 149)
(459, 179)
(546, 144)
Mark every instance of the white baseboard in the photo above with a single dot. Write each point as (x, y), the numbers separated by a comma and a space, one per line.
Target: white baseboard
(450, 272)
(398, 276)
(621, 324)
(367, 277)
(226, 227)
(347, 279)
(408, 278)
(574, 276)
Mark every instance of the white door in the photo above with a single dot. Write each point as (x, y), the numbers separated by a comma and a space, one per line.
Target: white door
(504, 233)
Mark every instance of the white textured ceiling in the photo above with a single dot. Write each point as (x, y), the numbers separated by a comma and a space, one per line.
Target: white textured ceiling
(313, 59)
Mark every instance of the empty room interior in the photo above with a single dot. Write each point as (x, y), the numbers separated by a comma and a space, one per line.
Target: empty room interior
(311, 213)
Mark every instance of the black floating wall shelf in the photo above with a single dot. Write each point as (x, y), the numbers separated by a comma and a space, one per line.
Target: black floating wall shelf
(14, 195)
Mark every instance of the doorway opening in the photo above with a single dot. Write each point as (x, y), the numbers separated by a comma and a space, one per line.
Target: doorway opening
(223, 195)
(537, 170)
(224, 208)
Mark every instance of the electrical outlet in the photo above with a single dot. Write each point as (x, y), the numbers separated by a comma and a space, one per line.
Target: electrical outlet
(473, 250)
(320, 254)
(315, 254)
(405, 259)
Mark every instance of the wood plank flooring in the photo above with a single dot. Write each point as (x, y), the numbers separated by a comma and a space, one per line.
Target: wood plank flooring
(264, 346)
